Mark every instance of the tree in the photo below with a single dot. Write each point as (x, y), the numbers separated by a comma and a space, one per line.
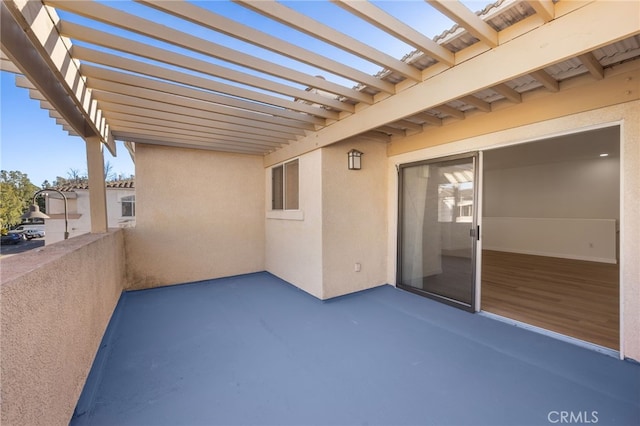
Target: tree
(16, 194)
(10, 205)
(109, 174)
(75, 176)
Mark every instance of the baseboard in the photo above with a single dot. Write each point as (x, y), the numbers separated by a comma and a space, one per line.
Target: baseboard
(551, 254)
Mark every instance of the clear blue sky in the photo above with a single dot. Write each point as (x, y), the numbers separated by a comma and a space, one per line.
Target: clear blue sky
(32, 142)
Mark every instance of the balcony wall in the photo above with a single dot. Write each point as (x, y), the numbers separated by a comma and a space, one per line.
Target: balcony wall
(199, 215)
(294, 238)
(354, 218)
(56, 304)
(341, 223)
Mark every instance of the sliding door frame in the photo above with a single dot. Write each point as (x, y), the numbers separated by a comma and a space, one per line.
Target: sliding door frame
(474, 306)
(620, 125)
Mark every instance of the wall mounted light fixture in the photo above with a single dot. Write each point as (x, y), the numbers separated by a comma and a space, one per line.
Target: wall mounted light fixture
(355, 159)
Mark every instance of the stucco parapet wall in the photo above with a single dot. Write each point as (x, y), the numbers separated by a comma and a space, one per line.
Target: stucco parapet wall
(55, 304)
(15, 266)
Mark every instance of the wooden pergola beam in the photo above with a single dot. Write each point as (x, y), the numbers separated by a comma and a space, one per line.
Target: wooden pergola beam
(523, 55)
(461, 15)
(379, 18)
(36, 49)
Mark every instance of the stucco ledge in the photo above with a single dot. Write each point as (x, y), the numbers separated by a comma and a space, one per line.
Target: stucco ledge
(15, 266)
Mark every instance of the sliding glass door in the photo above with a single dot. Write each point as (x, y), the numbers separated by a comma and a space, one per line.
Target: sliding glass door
(437, 229)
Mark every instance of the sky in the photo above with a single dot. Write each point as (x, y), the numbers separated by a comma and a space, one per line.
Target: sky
(31, 142)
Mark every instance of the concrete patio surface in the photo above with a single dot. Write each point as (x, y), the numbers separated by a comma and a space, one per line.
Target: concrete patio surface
(254, 350)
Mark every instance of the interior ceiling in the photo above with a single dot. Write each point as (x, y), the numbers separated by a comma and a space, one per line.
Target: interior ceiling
(255, 76)
(582, 146)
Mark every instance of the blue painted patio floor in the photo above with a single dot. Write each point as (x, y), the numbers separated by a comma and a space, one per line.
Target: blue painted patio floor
(254, 350)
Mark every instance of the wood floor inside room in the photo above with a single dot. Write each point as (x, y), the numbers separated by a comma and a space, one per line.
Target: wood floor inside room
(572, 297)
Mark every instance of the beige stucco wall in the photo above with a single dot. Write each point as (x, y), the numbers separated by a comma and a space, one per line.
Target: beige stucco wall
(354, 218)
(55, 306)
(54, 227)
(294, 239)
(80, 206)
(625, 114)
(199, 215)
(341, 221)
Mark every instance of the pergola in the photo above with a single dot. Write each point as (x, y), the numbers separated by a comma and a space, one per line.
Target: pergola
(112, 72)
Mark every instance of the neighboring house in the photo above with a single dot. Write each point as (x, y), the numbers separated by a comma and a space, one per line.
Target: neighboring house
(121, 209)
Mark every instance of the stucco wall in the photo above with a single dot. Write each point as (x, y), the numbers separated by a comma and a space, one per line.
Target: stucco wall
(294, 239)
(76, 225)
(627, 115)
(341, 221)
(354, 218)
(56, 304)
(80, 205)
(199, 215)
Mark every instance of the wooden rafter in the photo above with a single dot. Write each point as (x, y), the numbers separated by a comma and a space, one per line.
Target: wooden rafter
(121, 19)
(149, 89)
(316, 29)
(477, 102)
(143, 98)
(508, 93)
(450, 111)
(58, 86)
(141, 109)
(428, 118)
(399, 29)
(593, 65)
(546, 80)
(198, 83)
(544, 8)
(461, 15)
(216, 22)
(142, 50)
(261, 102)
(532, 50)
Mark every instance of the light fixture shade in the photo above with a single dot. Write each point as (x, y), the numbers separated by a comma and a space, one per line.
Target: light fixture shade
(355, 159)
(34, 213)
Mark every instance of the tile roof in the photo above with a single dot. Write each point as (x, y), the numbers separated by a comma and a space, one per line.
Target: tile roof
(117, 184)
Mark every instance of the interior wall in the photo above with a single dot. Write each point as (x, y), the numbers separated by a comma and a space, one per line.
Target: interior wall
(294, 238)
(541, 190)
(556, 197)
(199, 215)
(627, 115)
(354, 218)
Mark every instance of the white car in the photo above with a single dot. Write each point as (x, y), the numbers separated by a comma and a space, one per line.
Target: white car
(33, 233)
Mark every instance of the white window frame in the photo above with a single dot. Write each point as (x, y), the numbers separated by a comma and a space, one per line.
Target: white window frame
(284, 209)
(128, 199)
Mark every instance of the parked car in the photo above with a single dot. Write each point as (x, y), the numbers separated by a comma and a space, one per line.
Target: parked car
(33, 233)
(26, 226)
(12, 238)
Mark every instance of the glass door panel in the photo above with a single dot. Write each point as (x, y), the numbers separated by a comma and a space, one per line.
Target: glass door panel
(437, 232)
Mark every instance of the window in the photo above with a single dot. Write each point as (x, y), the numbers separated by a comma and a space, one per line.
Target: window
(456, 202)
(128, 206)
(284, 186)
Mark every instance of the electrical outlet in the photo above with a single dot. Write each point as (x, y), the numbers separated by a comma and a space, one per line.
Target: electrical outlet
(357, 267)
